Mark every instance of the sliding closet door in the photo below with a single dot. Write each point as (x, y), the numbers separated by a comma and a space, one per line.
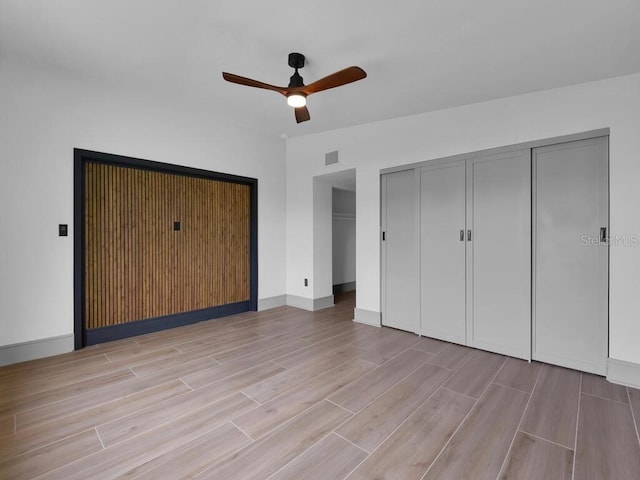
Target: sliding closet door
(499, 253)
(571, 254)
(400, 300)
(442, 251)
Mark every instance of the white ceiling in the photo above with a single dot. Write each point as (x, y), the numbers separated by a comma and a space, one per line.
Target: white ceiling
(420, 55)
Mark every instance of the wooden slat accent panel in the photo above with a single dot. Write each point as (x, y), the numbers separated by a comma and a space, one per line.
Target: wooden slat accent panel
(138, 267)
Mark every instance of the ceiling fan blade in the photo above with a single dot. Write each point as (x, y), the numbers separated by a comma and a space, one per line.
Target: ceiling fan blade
(347, 75)
(230, 77)
(302, 114)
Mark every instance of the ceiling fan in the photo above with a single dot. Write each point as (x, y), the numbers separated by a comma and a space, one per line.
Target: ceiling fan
(297, 92)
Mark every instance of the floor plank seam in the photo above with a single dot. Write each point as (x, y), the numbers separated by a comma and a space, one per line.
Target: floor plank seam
(186, 385)
(243, 432)
(70, 397)
(448, 368)
(286, 422)
(58, 418)
(158, 426)
(538, 437)
(349, 441)
(575, 444)
(446, 444)
(453, 371)
(633, 415)
(471, 357)
(279, 364)
(340, 406)
(506, 359)
(249, 396)
(76, 381)
(385, 391)
(605, 398)
(524, 412)
(461, 394)
(412, 414)
(296, 457)
(374, 365)
(358, 465)
(510, 388)
(99, 437)
(49, 473)
(389, 359)
(498, 370)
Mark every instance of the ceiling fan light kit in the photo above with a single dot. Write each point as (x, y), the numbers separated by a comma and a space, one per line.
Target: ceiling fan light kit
(296, 100)
(297, 92)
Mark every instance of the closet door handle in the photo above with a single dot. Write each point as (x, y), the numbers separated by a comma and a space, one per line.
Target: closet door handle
(603, 234)
(462, 235)
(469, 235)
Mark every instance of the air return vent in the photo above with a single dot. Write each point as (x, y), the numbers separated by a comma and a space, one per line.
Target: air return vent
(331, 157)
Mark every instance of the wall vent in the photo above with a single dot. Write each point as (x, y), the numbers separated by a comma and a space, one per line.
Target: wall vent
(331, 157)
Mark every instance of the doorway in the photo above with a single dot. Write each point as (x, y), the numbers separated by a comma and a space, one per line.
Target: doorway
(334, 250)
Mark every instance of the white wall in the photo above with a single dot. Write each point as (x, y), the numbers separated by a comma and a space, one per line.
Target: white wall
(321, 284)
(44, 114)
(613, 103)
(344, 236)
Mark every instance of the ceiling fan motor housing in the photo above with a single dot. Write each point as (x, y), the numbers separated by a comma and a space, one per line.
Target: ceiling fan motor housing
(296, 60)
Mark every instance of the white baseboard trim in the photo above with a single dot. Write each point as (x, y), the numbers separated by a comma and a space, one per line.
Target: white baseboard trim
(623, 373)
(25, 351)
(368, 317)
(324, 302)
(310, 304)
(271, 302)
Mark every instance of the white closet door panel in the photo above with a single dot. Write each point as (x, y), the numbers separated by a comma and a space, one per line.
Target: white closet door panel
(442, 252)
(400, 251)
(570, 263)
(499, 217)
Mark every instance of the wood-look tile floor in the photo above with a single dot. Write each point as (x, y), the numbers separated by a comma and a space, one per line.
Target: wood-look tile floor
(290, 394)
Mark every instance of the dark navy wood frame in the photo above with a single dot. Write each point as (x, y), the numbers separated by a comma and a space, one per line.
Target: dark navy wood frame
(84, 337)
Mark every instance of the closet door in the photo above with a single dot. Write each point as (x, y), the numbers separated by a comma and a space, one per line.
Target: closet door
(400, 300)
(442, 251)
(499, 253)
(571, 254)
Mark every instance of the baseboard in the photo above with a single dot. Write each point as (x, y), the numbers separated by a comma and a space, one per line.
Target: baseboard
(310, 304)
(324, 302)
(623, 373)
(271, 302)
(368, 317)
(140, 327)
(344, 287)
(47, 347)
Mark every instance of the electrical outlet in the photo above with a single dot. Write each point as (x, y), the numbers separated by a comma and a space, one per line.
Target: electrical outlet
(63, 230)
(306, 282)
